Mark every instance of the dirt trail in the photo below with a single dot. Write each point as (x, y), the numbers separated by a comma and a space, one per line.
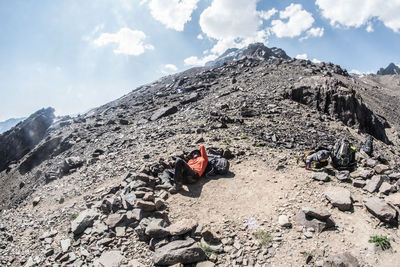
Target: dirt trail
(256, 190)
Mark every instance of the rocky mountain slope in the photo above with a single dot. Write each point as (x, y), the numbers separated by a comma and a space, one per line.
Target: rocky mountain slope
(391, 69)
(8, 124)
(90, 193)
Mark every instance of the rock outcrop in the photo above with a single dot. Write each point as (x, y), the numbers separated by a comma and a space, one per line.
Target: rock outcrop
(331, 96)
(18, 141)
(391, 69)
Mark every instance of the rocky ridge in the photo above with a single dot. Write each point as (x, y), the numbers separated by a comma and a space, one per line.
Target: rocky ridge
(89, 192)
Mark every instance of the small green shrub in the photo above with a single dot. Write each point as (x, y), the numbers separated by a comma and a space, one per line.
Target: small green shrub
(263, 237)
(207, 249)
(73, 216)
(380, 240)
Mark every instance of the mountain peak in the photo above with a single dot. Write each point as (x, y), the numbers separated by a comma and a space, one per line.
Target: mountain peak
(391, 69)
(255, 50)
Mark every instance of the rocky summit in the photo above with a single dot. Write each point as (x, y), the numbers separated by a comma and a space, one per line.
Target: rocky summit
(90, 190)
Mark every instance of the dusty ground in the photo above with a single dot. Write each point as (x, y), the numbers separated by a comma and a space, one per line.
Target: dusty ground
(256, 190)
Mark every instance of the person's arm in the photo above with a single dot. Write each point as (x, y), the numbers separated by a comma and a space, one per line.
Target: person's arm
(203, 153)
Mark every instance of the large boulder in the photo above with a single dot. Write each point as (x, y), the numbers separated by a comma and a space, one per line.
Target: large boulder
(382, 210)
(339, 197)
(179, 251)
(22, 138)
(374, 184)
(83, 221)
(163, 112)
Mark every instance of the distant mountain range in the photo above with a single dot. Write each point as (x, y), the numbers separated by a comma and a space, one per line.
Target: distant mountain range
(389, 70)
(8, 124)
(256, 50)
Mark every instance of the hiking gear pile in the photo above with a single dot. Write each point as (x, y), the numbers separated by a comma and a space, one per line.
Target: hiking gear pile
(343, 155)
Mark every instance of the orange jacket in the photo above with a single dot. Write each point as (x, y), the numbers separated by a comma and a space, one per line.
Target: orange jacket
(199, 164)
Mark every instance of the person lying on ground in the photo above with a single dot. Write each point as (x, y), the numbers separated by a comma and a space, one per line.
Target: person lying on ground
(320, 156)
(191, 171)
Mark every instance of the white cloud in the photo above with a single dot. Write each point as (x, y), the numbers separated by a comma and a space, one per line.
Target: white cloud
(173, 13)
(266, 15)
(195, 61)
(169, 68)
(313, 32)
(316, 61)
(90, 36)
(232, 23)
(130, 42)
(302, 56)
(200, 37)
(298, 21)
(369, 28)
(142, 2)
(356, 13)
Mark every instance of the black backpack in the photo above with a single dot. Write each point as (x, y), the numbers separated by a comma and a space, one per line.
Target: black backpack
(343, 154)
(217, 165)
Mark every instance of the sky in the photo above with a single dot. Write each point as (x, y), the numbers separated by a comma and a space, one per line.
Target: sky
(75, 55)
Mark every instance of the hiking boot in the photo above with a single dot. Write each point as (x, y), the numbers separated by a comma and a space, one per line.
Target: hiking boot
(175, 189)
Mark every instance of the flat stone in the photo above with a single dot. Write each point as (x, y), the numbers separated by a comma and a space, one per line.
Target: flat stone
(48, 234)
(380, 168)
(339, 197)
(182, 227)
(363, 174)
(146, 205)
(99, 227)
(205, 264)
(359, 183)
(394, 199)
(120, 231)
(342, 259)
(115, 219)
(394, 176)
(109, 259)
(308, 222)
(163, 112)
(343, 175)
(84, 220)
(283, 221)
(155, 229)
(129, 200)
(374, 184)
(36, 201)
(320, 176)
(65, 245)
(179, 251)
(316, 213)
(380, 209)
(387, 188)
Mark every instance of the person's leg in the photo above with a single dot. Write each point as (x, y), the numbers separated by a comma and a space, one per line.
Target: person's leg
(180, 168)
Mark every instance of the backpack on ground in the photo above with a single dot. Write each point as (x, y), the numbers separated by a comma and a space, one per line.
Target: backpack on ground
(217, 165)
(343, 154)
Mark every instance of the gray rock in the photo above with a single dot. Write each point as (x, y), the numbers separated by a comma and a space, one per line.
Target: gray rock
(182, 227)
(115, 219)
(99, 227)
(84, 220)
(380, 168)
(146, 205)
(129, 200)
(341, 260)
(320, 176)
(380, 209)
(374, 184)
(65, 245)
(179, 251)
(120, 231)
(359, 183)
(339, 197)
(363, 174)
(316, 213)
(205, 264)
(71, 163)
(343, 175)
(156, 229)
(387, 188)
(163, 112)
(36, 201)
(283, 221)
(394, 176)
(394, 199)
(308, 222)
(109, 259)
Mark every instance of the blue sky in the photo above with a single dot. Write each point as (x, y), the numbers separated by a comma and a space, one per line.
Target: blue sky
(78, 54)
